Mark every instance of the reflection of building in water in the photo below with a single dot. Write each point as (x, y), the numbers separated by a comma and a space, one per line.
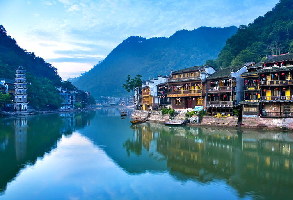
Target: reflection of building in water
(251, 162)
(20, 130)
(68, 123)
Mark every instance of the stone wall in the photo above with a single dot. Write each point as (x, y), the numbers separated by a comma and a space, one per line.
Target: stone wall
(247, 122)
(269, 123)
(156, 116)
(222, 121)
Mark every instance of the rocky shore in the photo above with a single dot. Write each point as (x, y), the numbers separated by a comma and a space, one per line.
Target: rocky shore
(232, 121)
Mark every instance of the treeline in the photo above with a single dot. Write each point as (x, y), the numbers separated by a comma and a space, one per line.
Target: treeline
(42, 77)
(270, 34)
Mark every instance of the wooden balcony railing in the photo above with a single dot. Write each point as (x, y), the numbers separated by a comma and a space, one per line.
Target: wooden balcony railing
(251, 100)
(186, 93)
(220, 88)
(220, 104)
(251, 87)
(277, 114)
(276, 82)
(276, 98)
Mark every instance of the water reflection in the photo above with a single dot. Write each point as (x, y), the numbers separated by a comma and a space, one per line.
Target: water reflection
(252, 162)
(25, 139)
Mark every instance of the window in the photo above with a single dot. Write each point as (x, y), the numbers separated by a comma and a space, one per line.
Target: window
(178, 101)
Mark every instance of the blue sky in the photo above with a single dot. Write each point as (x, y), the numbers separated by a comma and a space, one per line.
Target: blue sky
(74, 35)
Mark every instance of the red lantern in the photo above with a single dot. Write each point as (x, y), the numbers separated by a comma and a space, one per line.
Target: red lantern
(276, 88)
(276, 74)
(284, 88)
(264, 90)
(283, 74)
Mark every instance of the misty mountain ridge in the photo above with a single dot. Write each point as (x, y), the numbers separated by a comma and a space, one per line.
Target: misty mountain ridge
(152, 57)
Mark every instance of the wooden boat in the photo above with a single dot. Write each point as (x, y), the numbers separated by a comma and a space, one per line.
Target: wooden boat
(137, 121)
(175, 122)
(123, 114)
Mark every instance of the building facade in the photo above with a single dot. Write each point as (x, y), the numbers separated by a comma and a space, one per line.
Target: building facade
(251, 101)
(68, 99)
(187, 88)
(276, 86)
(225, 90)
(20, 95)
(163, 90)
(150, 98)
(269, 88)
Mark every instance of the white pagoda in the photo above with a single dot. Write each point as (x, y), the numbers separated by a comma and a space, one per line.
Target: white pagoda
(20, 95)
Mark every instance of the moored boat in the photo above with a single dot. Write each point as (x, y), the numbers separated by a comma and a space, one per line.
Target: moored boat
(175, 122)
(123, 114)
(137, 121)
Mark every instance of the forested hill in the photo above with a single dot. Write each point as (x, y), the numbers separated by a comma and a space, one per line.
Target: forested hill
(152, 57)
(12, 56)
(41, 75)
(267, 35)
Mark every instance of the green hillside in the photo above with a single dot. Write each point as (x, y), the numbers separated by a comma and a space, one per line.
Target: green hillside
(152, 57)
(267, 35)
(42, 76)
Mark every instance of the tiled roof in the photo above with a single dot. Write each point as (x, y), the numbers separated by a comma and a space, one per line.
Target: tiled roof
(279, 58)
(224, 73)
(190, 69)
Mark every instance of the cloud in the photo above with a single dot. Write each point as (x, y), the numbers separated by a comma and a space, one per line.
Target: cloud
(80, 32)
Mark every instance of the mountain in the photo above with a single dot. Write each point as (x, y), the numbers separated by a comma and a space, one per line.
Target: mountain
(41, 76)
(152, 57)
(267, 35)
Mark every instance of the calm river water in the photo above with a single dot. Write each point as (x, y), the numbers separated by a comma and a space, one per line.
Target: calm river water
(98, 155)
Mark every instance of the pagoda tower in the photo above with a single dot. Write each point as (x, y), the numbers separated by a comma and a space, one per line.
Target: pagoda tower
(20, 95)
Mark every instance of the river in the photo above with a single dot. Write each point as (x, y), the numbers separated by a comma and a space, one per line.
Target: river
(98, 155)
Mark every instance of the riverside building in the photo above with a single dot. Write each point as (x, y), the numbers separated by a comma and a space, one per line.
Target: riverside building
(187, 88)
(225, 90)
(150, 98)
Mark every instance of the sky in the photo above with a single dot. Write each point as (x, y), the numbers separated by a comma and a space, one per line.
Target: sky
(74, 35)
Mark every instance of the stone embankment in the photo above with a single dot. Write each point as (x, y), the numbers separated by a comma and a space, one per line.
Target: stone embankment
(267, 123)
(232, 121)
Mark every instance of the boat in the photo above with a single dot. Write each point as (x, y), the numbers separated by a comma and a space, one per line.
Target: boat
(137, 121)
(175, 122)
(123, 114)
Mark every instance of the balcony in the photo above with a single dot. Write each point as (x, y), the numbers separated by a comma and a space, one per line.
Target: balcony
(276, 98)
(220, 89)
(184, 79)
(276, 83)
(277, 114)
(220, 104)
(185, 93)
(251, 88)
(145, 94)
(251, 100)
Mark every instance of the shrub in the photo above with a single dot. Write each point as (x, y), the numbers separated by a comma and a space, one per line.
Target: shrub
(169, 111)
(197, 113)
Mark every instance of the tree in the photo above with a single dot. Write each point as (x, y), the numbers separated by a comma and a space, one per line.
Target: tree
(4, 99)
(132, 83)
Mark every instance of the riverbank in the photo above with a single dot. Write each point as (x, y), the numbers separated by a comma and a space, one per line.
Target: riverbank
(231, 121)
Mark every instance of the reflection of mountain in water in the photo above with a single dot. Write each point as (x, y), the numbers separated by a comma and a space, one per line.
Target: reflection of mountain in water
(23, 140)
(111, 134)
(255, 163)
